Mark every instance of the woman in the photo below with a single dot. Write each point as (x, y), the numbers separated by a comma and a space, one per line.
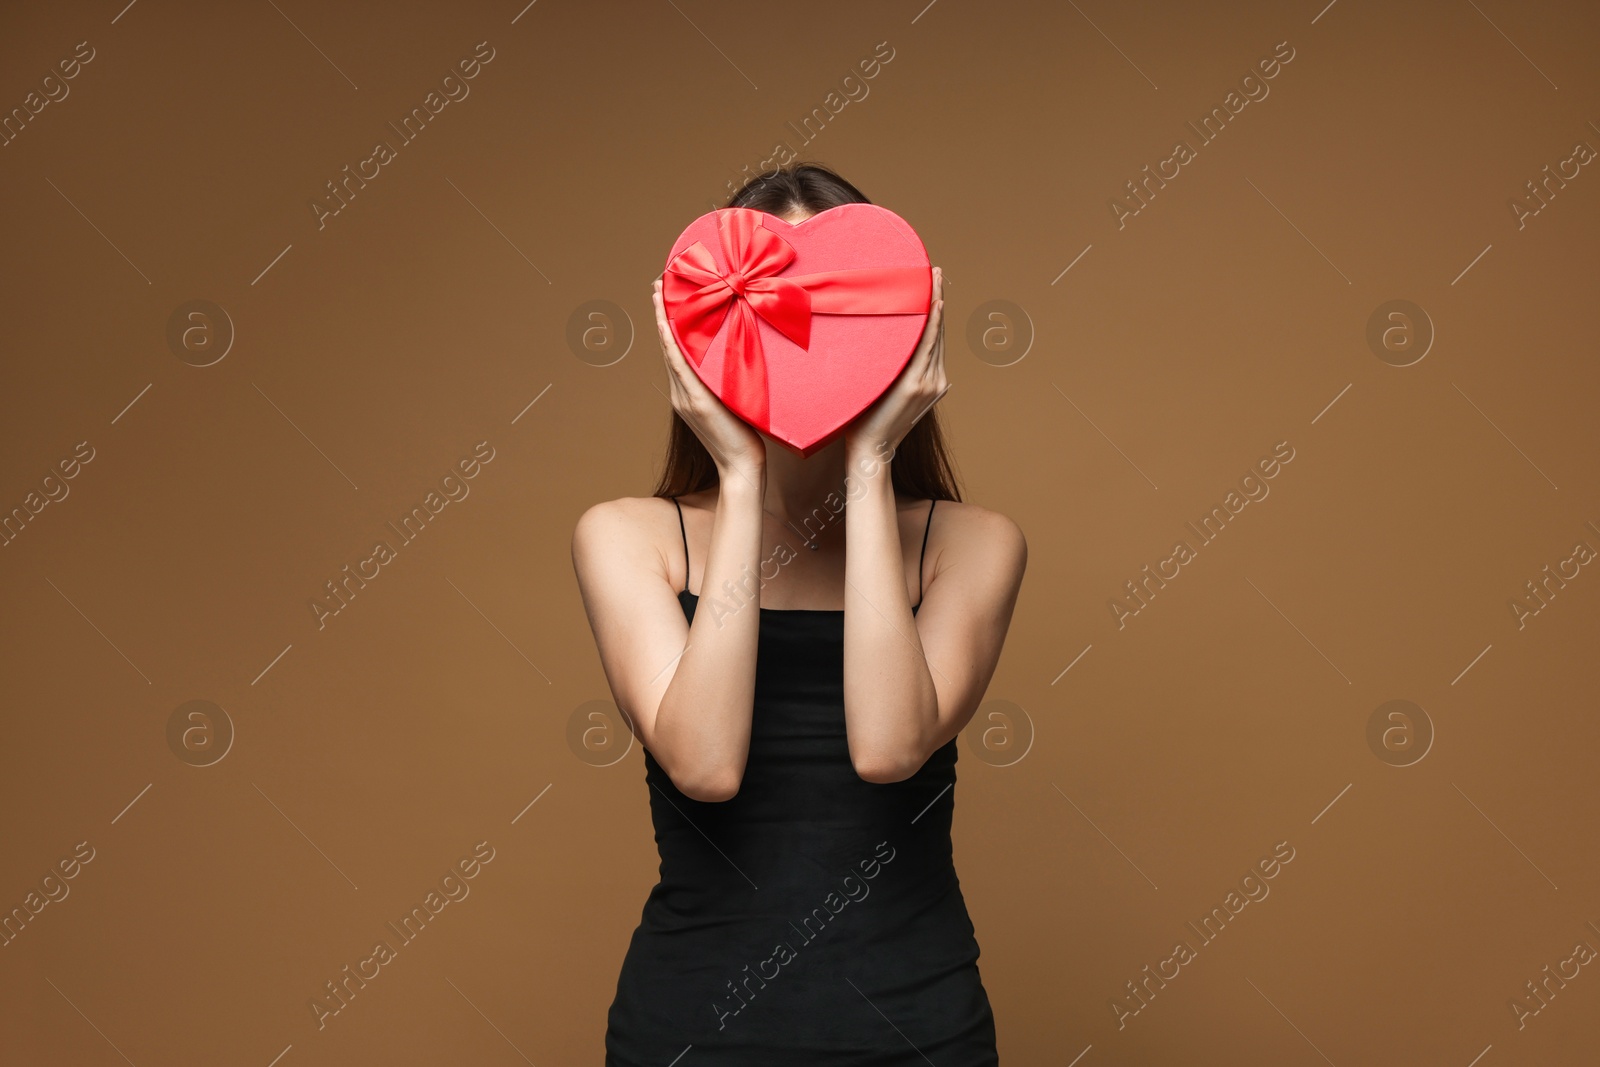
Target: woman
(798, 711)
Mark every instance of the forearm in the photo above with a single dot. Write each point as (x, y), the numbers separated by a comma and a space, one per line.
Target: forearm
(891, 706)
(702, 727)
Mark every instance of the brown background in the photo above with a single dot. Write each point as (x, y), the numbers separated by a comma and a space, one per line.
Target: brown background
(372, 354)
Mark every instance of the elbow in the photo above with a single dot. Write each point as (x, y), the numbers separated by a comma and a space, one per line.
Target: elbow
(707, 788)
(881, 770)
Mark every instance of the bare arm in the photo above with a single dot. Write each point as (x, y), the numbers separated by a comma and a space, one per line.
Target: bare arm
(890, 702)
(689, 691)
(911, 683)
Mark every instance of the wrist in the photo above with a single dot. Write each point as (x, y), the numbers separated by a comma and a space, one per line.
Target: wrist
(869, 481)
(750, 461)
(867, 458)
(743, 480)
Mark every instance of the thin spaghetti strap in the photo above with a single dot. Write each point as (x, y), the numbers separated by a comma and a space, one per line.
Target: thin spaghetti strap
(685, 533)
(924, 555)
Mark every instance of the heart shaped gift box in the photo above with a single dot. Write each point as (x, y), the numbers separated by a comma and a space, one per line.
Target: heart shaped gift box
(798, 328)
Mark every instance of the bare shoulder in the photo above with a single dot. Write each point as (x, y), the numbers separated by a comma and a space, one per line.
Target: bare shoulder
(624, 515)
(973, 531)
(629, 527)
(978, 560)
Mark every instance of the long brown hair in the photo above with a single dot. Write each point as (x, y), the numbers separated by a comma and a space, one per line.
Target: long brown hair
(921, 467)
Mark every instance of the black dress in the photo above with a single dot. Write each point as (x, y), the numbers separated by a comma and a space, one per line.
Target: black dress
(815, 918)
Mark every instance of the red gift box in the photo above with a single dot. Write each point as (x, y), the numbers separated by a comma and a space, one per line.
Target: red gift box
(798, 328)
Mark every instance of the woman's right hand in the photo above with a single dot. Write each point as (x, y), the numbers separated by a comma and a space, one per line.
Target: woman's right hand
(734, 444)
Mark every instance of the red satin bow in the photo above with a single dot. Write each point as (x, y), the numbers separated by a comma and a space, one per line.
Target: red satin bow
(700, 297)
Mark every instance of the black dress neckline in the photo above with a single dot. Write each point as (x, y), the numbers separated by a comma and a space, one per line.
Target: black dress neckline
(787, 611)
(684, 530)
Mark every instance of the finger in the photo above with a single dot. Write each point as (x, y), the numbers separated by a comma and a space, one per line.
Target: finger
(694, 392)
(937, 373)
(931, 322)
(671, 358)
(688, 391)
(666, 356)
(671, 354)
(930, 330)
(659, 310)
(931, 350)
(660, 307)
(679, 363)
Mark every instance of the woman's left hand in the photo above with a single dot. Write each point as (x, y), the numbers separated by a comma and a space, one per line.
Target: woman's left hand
(881, 428)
